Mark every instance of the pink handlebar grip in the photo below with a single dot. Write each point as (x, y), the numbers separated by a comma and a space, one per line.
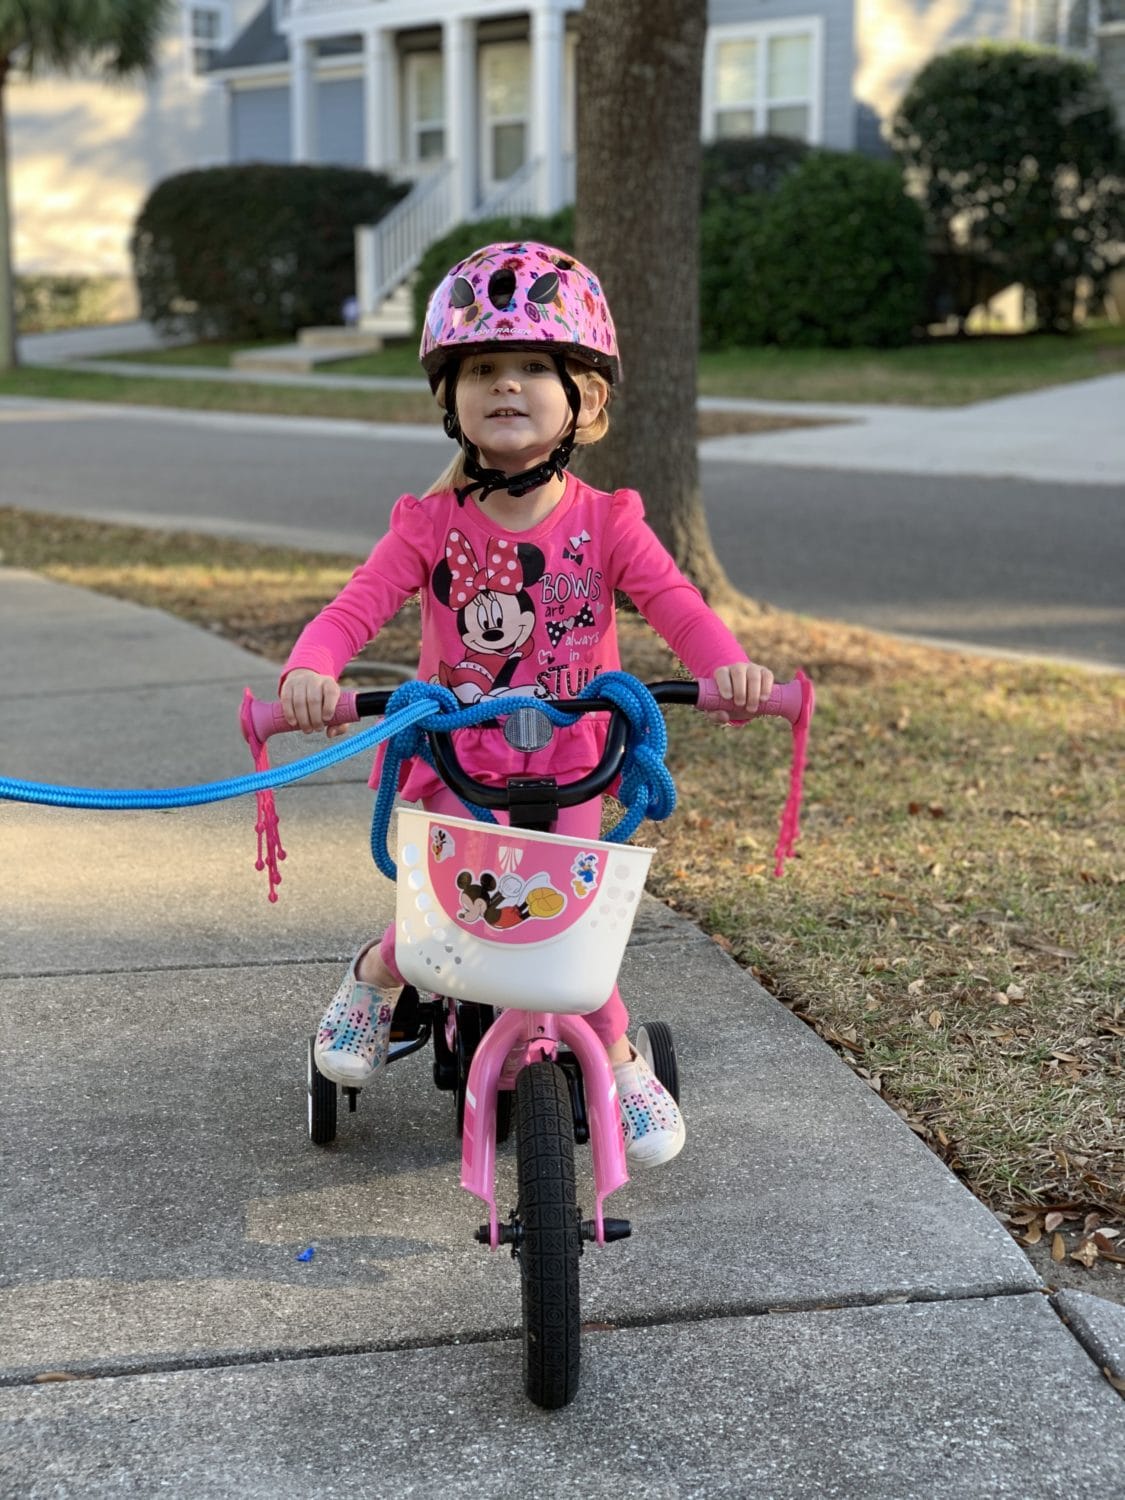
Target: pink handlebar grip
(786, 701)
(263, 719)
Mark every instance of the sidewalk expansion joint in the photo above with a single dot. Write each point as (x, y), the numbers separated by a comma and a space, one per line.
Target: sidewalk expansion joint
(183, 1363)
(273, 961)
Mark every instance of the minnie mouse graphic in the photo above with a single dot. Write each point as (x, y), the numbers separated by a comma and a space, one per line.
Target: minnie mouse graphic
(495, 614)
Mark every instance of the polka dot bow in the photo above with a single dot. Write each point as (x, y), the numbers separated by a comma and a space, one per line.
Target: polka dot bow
(501, 572)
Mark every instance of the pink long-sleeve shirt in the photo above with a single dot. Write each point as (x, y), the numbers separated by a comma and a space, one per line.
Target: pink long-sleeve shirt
(517, 612)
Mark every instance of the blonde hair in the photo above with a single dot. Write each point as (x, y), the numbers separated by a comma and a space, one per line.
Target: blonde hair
(454, 475)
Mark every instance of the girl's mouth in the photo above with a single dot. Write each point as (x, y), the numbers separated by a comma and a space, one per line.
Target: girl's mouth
(505, 411)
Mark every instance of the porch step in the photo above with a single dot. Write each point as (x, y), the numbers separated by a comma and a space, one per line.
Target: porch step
(305, 356)
(394, 319)
(337, 338)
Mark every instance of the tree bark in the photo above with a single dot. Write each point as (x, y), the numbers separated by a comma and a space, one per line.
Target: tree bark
(640, 70)
(7, 300)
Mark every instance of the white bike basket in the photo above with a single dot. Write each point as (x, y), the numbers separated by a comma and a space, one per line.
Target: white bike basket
(531, 921)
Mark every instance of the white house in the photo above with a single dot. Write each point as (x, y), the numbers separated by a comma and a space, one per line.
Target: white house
(472, 101)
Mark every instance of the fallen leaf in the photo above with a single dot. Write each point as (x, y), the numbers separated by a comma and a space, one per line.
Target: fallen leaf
(722, 941)
(1086, 1254)
(935, 1019)
(1052, 1222)
(1034, 1233)
(1058, 1248)
(1038, 946)
(1115, 1380)
(46, 1377)
(916, 986)
(1016, 992)
(936, 810)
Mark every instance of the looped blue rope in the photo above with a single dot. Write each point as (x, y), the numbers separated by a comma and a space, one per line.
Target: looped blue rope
(647, 789)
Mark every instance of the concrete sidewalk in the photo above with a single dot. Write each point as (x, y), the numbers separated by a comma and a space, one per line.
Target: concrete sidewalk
(810, 1304)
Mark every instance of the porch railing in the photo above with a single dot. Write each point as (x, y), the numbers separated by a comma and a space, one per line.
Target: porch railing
(387, 252)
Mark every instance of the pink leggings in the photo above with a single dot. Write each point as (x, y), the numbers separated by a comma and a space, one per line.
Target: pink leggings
(611, 1021)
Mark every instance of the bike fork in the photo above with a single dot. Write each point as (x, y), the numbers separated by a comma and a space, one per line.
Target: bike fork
(534, 1037)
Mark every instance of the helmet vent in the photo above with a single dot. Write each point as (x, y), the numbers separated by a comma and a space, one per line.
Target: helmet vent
(544, 288)
(462, 294)
(502, 288)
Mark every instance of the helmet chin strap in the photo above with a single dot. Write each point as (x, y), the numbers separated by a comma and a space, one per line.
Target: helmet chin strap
(487, 481)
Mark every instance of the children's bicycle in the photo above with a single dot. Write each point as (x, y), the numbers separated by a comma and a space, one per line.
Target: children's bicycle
(508, 936)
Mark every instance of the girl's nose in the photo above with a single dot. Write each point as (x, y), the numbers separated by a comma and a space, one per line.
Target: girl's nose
(505, 380)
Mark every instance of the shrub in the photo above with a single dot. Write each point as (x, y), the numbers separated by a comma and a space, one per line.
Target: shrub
(1015, 153)
(752, 164)
(254, 251)
(44, 303)
(834, 257)
(731, 313)
(555, 229)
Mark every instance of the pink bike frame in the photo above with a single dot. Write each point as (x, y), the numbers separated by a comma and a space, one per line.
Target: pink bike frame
(515, 1039)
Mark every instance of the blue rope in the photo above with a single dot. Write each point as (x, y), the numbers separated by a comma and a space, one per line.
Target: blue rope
(647, 789)
(207, 791)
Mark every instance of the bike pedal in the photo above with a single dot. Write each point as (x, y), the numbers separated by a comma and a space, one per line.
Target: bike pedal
(615, 1229)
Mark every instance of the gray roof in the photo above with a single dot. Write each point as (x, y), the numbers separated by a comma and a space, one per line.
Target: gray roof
(260, 44)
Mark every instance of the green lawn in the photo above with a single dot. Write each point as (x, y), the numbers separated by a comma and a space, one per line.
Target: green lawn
(940, 372)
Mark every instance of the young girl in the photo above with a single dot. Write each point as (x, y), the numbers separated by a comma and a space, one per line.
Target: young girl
(516, 562)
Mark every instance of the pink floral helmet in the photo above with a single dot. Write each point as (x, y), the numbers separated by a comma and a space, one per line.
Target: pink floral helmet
(519, 296)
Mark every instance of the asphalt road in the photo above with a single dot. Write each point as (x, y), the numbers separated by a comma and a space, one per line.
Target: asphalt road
(1000, 564)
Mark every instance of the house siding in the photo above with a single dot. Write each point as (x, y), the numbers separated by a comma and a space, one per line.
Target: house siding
(839, 120)
(84, 154)
(896, 38)
(260, 123)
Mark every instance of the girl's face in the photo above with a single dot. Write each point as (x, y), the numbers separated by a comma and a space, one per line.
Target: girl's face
(512, 405)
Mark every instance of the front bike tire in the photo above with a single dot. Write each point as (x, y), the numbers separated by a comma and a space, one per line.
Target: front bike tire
(549, 1243)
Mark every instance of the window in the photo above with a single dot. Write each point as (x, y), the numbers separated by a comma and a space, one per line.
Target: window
(207, 36)
(425, 107)
(506, 98)
(764, 80)
(1069, 24)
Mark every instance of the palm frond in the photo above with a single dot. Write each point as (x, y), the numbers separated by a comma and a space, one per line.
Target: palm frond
(118, 37)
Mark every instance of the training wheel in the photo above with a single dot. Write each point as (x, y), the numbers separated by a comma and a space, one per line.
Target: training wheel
(655, 1045)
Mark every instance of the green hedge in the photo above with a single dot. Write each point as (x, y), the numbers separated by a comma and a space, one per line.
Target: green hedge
(830, 251)
(254, 251)
(45, 303)
(556, 229)
(749, 164)
(835, 257)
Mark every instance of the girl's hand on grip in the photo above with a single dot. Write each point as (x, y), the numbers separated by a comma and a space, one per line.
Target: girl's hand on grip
(309, 700)
(746, 685)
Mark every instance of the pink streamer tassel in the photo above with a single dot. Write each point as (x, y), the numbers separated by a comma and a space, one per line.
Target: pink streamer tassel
(790, 830)
(268, 827)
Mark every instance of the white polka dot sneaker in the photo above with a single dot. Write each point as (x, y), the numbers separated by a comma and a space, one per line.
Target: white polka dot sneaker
(354, 1033)
(653, 1125)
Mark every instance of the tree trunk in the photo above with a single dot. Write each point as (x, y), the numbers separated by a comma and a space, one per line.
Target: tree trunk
(640, 70)
(7, 301)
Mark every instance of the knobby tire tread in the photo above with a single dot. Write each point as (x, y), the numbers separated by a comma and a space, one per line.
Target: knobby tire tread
(548, 1255)
(323, 1105)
